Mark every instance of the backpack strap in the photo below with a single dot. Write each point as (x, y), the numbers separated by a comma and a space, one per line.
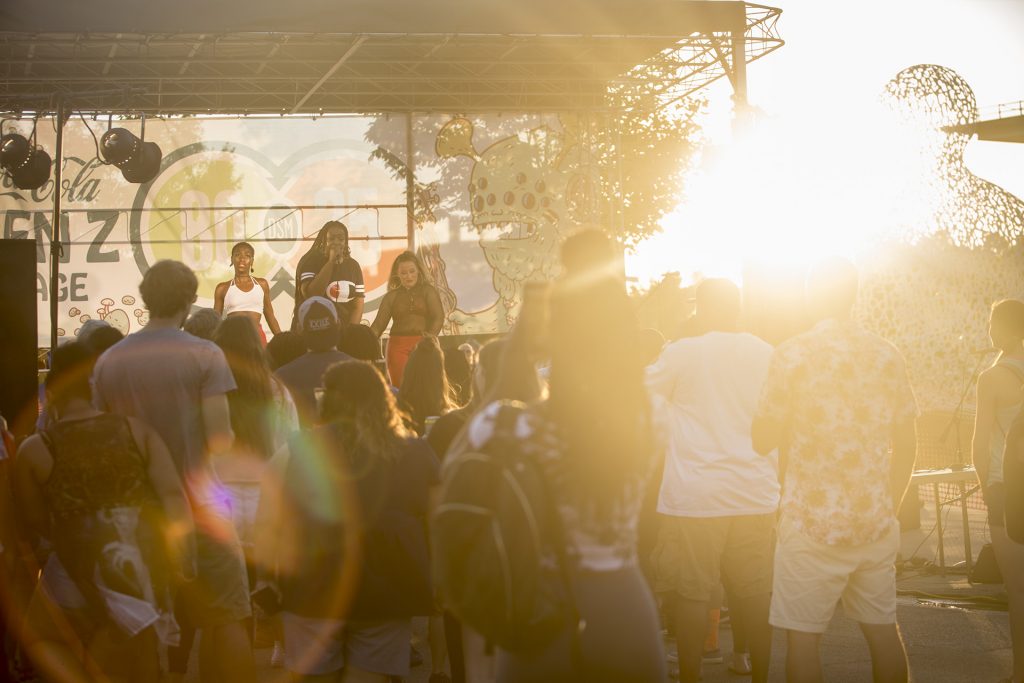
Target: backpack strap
(49, 442)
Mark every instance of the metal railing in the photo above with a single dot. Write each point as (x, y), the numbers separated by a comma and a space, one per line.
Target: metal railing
(382, 230)
(1001, 111)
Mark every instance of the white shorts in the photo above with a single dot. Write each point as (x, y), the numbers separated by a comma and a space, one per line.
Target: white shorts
(811, 577)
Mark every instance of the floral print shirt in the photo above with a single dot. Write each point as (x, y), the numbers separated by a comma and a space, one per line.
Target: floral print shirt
(838, 390)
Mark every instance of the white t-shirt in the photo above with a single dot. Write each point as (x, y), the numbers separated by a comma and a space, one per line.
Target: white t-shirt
(711, 385)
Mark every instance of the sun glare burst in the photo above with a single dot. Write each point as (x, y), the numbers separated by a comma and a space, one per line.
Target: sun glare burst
(784, 193)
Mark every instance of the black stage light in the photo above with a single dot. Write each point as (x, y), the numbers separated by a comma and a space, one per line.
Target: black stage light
(139, 161)
(28, 165)
(14, 151)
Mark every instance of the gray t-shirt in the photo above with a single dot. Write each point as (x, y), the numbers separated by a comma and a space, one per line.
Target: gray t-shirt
(161, 377)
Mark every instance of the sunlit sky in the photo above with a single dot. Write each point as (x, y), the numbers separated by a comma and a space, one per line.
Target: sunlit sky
(812, 177)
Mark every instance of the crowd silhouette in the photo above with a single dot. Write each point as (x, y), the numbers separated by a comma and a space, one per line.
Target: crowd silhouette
(559, 504)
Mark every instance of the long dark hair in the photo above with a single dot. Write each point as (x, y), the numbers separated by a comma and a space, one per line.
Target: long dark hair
(407, 257)
(318, 245)
(252, 402)
(460, 375)
(491, 382)
(597, 395)
(360, 403)
(425, 390)
(321, 237)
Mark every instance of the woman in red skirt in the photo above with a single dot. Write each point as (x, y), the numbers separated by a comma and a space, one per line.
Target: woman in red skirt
(413, 307)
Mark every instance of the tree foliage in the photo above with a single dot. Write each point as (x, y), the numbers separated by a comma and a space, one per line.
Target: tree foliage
(637, 151)
(642, 151)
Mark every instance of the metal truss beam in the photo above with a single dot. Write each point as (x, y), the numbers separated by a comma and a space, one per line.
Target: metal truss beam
(330, 72)
(275, 73)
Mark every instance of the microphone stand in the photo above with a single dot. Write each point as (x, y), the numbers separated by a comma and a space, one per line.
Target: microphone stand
(958, 412)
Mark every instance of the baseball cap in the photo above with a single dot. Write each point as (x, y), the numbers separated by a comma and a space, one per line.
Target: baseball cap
(317, 313)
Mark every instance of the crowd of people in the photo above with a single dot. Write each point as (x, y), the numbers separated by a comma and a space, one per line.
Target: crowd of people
(193, 477)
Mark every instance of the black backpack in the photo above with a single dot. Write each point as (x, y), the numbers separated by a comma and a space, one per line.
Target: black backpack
(498, 550)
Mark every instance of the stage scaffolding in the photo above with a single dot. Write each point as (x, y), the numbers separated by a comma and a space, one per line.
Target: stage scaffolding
(478, 57)
(375, 57)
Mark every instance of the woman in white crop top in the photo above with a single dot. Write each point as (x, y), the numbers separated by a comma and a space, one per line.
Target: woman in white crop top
(245, 295)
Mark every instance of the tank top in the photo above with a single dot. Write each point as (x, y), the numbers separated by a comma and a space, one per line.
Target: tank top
(236, 300)
(108, 525)
(1004, 418)
(96, 467)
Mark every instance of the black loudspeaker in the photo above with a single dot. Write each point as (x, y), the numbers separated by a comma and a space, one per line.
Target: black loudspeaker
(986, 569)
(18, 373)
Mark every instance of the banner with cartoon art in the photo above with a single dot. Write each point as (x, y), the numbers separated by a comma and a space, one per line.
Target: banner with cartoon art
(492, 197)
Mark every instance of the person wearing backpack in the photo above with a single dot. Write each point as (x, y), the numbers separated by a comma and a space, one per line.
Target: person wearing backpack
(535, 532)
(999, 402)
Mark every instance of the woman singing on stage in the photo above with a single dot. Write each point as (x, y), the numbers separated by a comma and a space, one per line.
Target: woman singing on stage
(414, 305)
(244, 294)
(328, 270)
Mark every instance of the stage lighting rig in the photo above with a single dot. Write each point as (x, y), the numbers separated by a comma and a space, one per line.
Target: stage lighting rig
(138, 160)
(27, 163)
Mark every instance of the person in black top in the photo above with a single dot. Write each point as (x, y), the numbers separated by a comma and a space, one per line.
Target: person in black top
(102, 489)
(415, 308)
(303, 376)
(328, 270)
(342, 533)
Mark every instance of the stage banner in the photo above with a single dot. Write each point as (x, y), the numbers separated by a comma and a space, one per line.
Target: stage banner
(493, 196)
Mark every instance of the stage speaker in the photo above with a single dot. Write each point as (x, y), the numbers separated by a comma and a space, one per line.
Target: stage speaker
(19, 388)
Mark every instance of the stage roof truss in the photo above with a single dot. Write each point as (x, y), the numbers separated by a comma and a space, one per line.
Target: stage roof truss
(318, 73)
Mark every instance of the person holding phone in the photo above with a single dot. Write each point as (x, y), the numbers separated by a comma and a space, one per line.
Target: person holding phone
(328, 270)
(413, 307)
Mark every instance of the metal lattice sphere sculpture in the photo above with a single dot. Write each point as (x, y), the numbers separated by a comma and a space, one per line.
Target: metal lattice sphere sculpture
(969, 210)
(934, 95)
